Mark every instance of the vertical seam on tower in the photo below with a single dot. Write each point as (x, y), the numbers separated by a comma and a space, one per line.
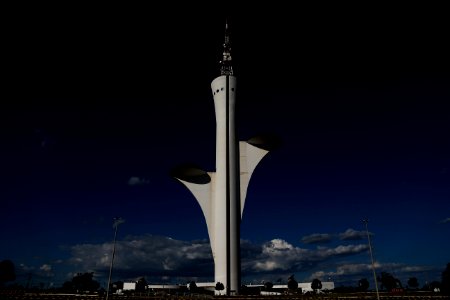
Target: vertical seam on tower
(237, 196)
(227, 102)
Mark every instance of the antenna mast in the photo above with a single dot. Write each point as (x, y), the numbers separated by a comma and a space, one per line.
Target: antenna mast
(225, 64)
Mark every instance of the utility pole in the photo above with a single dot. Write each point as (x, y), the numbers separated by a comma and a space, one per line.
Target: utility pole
(371, 259)
(117, 222)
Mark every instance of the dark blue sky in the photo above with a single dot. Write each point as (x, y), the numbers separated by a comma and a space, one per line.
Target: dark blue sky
(101, 103)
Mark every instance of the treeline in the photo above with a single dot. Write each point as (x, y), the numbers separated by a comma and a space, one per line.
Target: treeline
(387, 282)
(85, 283)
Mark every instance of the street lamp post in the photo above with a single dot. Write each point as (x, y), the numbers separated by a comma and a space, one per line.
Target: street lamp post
(371, 259)
(116, 223)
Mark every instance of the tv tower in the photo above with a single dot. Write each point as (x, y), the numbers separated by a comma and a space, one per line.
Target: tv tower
(221, 194)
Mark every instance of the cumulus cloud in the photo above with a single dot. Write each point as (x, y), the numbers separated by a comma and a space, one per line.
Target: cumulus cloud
(26, 268)
(445, 221)
(317, 238)
(46, 268)
(348, 235)
(358, 270)
(343, 270)
(343, 250)
(163, 256)
(279, 255)
(277, 246)
(134, 180)
(146, 254)
(352, 235)
(160, 257)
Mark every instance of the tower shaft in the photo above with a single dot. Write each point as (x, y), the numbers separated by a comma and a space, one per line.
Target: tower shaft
(226, 202)
(221, 194)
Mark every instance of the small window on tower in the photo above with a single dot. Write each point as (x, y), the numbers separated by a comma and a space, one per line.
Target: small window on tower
(217, 90)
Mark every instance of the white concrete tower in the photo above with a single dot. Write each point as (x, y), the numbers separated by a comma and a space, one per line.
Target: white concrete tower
(221, 194)
(226, 250)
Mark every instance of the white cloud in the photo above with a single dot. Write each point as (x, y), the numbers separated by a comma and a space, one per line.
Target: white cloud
(277, 245)
(137, 181)
(358, 270)
(26, 268)
(354, 269)
(403, 268)
(317, 238)
(346, 269)
(445, 221)
(352, 235)
(146, 254)
(46, 268)
(282, 256)
(161, 256)
(343, 250)
(348, 235)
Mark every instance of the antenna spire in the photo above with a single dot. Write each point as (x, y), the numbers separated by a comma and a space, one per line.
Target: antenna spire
(226, 67)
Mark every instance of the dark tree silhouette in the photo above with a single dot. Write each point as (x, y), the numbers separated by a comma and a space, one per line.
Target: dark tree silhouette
(292, 284)
(346, 289)
(118, 285)
(219, 286)
(432, 286)
(413, 283)
(363, 284)
(249, 291)
(316, 284)
(193, 287)
(141, 285)
(445, 280)
(388, 281)
(268, 285)
(398, 284)
(82, 282)
(7, 271)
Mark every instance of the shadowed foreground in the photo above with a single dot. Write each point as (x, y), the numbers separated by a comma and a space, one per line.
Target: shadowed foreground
(367, 296)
